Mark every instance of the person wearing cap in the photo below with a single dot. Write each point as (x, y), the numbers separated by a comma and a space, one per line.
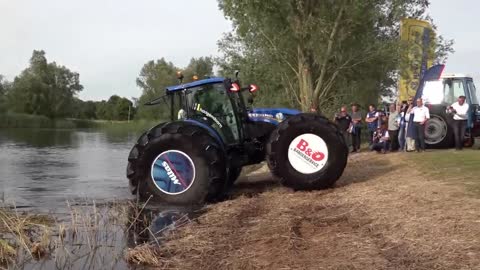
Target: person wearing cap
(459, 110)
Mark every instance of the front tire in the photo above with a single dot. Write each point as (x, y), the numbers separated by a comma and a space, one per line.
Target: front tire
(177, 163)
(307, 152)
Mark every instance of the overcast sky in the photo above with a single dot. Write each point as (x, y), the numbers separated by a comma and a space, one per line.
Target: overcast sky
(108, 41)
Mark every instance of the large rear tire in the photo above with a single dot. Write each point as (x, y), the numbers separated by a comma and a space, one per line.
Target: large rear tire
(307, 152)
(177, 163)
(438, 130)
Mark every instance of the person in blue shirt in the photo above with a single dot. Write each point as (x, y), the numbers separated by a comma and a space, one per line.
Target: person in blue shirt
(372, 121)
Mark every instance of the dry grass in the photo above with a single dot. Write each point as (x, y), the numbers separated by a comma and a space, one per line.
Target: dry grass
(383, 215)
(22, 231)
(94, 233)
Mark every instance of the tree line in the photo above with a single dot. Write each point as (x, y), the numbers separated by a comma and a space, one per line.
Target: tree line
(45, 88)
(320, 54)
(51, 90)
(305, 54)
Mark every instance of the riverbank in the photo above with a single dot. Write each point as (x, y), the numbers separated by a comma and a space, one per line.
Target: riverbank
(14, 120)
(402, 211)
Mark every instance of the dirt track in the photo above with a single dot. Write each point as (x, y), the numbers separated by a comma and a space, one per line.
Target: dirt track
(374, 219)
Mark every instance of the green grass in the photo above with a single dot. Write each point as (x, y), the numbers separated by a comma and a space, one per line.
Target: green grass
(452, 167)
(15, 120)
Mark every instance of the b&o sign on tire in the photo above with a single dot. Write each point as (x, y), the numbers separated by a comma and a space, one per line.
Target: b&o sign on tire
(308, 153)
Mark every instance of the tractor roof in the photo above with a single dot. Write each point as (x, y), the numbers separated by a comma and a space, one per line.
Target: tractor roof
(194, 84)
(455, 75)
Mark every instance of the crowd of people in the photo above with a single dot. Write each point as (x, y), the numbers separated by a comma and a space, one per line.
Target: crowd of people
(389, 131)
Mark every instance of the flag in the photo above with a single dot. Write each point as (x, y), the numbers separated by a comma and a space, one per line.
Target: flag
(418, 39)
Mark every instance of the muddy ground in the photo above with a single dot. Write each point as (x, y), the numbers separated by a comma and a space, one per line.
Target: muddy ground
(385, 213)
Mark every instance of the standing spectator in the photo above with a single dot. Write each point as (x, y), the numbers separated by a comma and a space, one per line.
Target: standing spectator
(393, 126)
(343, 120)
(420, 116)
(356, 127)
(381, 140)
(402, 125)
(459, 110)
(372, 121)
(409, 139)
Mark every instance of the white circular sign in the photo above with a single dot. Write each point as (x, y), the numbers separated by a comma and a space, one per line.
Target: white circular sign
(308, 153)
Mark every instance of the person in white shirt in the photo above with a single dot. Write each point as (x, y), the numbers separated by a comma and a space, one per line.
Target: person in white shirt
(421, 114)
(459, 110)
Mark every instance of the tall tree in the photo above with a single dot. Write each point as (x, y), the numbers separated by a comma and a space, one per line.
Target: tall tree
(154, 77)
(44, 88)
(201, 67)
(322, 52)
(4, 85)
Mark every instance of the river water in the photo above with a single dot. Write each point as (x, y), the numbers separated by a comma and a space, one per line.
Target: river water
(42, 169)
(61, 172)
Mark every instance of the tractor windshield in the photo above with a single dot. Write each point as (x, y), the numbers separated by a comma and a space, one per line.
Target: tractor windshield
(448, 90)
(211, 105)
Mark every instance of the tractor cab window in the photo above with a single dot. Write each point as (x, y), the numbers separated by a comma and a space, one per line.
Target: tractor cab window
(433, 92)
(211, 105)
(473, 92)
(446, 91)
(453, 88)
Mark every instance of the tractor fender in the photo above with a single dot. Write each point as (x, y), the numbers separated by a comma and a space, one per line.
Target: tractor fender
(209, 129)
(212, 132)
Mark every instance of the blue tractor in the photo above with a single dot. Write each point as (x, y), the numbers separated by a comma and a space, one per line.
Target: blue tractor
(213, 132)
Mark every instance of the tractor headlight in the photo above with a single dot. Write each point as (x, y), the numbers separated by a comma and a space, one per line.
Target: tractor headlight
(280, 116)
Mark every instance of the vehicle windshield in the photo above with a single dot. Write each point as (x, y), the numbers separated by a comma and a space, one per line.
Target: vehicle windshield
(210, 103)
(448, 90)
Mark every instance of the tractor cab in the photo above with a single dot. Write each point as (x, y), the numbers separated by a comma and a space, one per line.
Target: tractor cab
(438, 95)
(208, 104)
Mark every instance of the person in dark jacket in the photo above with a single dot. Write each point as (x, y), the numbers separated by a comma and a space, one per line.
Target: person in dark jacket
(343, 121)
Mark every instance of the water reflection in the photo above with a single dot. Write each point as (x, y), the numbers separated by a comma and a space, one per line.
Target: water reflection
(154, 223)
(37, 138)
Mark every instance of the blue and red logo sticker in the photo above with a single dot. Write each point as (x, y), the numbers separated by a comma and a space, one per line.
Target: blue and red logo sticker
(173, 172)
